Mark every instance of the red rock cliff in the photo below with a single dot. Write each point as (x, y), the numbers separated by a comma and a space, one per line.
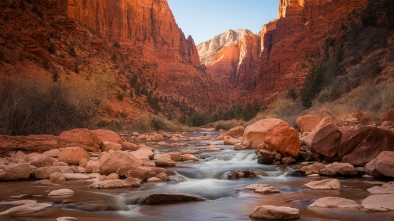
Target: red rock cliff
(233, 57)
(300, 30)
(146, 25)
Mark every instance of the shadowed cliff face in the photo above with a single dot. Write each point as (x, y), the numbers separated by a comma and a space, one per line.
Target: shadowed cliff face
(233, 57)
(290, 41)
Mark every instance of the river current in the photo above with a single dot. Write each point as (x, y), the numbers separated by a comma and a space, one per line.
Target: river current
(226, 200)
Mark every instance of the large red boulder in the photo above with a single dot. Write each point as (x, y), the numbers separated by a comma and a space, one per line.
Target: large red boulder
(15, 172)
(110, 162)
(326, 141)
(107, 135)
(383, 164)
(360, 146)
(284, 139)
(73, 155)
(80, 137)
(255, 134)
(307, 123)
(32, 143)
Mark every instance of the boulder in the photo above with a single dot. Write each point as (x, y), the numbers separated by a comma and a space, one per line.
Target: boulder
(61, 192)
(175, 156)
(164, 156)
(112, 176)
(312, 169)
(141, 172)
(129, 146)
(31, 143)
(57, 178)
(233, 132)
(107, 146)
(255, 133)
(359, 146)
(40, 160)
(107, 135)
(191, 157)
(155, 199)
(14, 172)
(83, 138)
(284, 139)
(381, 202)
(307, 123)
(52, 153)
(45, 172)
(275, 213)
(26, 208)
(143, 153)
(231, 141)
(335, 202)
(239, 147)
(326, 141)
(110, 162)
(72, 155)
(339, 169)
(92, 166)
(165, 163)
(288, 160)
(384, 163)
(308, 138)
(75, 176)
(327, 184)
(18, 157)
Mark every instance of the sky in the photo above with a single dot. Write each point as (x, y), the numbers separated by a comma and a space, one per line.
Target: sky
(204, 19)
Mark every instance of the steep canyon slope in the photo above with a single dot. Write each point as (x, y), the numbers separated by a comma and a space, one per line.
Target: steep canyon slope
(130, 56)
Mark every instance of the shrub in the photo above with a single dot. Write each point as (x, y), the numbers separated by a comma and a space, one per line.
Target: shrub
(150, 122)
(34, 107)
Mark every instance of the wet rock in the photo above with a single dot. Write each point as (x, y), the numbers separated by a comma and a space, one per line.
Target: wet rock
(40, 160)
(231, 141)
(75, 176)
(312, 169)
(262, 188)
(296, 173)
(360, 146)
(380, 202)
(175, 156)
(61, 192)
(307, 123)
(141, 172)
(57, 178)
(116, 183)
(335, 202)
(339, 169)
(288, 160)
(92, 166)
(83, 138)
(27, 207)
(265, 157)
(15, 172)
(387, 188)
(154, 179)
(327, 184)
(107, 146)
(107, 135)
(165, 163)
(275, 213)
(72, 155)
(239, 147)
(326, 141)
(167, 199)
(110, 162)
(163, 176)
(66, 218)
(129, 146)
(190, 157)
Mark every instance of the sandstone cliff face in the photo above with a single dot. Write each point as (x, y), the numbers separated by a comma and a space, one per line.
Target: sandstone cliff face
(148, 26)
(301, 29)
(233, 57)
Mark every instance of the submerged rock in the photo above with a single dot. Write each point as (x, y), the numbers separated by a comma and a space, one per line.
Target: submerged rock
(26, 207)
(167, 199)
(335, 202)
(381, 202)
(327, 184)
(262, 188)
(275, 213)
(116, 183)
(61, 192)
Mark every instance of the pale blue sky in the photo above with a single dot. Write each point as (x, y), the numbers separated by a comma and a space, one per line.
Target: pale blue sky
(204, 19)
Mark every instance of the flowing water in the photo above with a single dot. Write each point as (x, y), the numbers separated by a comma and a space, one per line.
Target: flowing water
(226, 200)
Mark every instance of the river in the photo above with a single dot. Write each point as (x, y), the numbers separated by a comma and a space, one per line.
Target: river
(226, 200)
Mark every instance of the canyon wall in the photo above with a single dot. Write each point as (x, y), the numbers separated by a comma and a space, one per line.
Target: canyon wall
(299, 32)
(233, 57)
